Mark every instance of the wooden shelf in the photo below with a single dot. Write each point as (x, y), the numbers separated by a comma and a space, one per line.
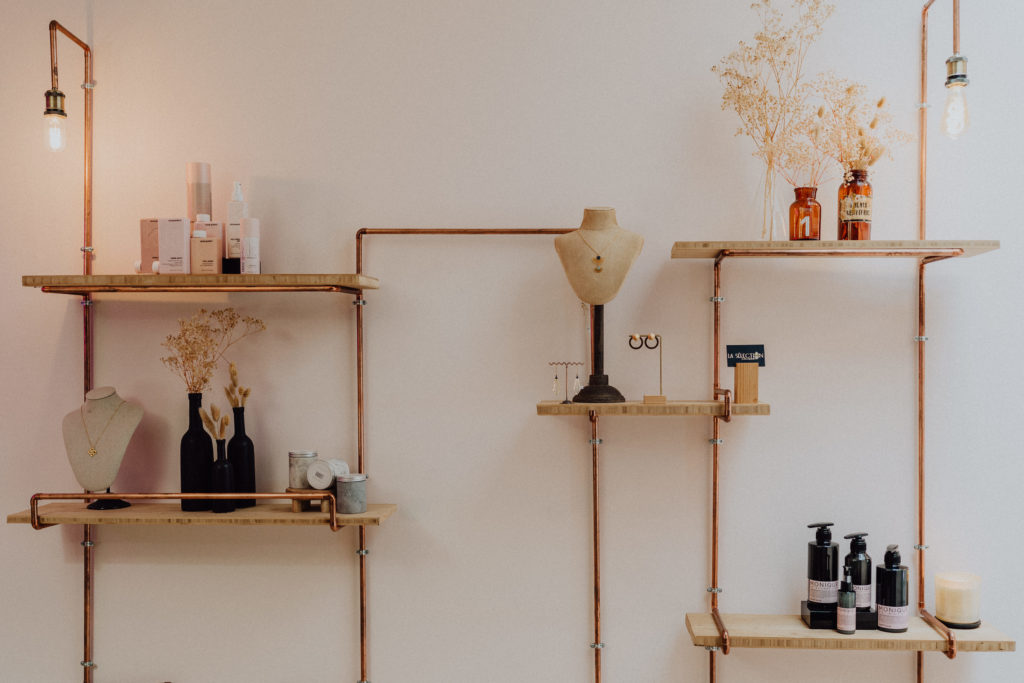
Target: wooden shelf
(171, 514)
(835, 249)
(91, 284)
(789, 631)
(671, 408)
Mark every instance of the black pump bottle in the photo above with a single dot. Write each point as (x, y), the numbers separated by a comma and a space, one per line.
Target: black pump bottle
(891, 593)
(859, 563)
(822, 568)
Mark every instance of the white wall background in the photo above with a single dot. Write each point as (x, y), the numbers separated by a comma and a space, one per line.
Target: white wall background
(341, 115)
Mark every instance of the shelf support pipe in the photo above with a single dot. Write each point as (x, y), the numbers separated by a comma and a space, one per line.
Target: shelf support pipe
(597, 644)
(361, 404)
(88, 545)
(922, 121)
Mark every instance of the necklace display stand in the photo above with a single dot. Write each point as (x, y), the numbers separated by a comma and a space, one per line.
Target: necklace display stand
(598, 390)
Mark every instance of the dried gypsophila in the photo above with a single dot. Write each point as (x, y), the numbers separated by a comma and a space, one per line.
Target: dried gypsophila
(202, 341)
(763, 84)
(858, 130)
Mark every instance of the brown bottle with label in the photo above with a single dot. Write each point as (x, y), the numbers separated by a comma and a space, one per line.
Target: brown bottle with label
(855, 206)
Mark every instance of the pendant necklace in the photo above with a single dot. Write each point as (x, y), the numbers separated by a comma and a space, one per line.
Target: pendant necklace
(598, 260)
(92, 445)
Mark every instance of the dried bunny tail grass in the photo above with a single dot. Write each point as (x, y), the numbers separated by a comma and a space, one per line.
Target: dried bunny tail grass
(881, 103)
(233, 371)
(232, 399)
(208, 422)
(224, 422)
(214, 412)
(245, 394)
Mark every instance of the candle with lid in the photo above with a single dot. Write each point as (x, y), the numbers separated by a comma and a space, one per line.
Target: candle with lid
(298, 463)
(351, 493)
(958, 599)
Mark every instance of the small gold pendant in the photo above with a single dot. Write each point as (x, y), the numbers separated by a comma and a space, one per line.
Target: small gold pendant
(92, 452)
(598, 266)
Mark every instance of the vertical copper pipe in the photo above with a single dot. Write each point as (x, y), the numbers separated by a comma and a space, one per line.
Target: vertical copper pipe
(922, 123)
(711, 666)
(956, 27)
(364, 663)
(87, 610)
(598, 645)
(920, 431)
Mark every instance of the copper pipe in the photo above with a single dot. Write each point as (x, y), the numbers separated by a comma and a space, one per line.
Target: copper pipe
(83, 290)
(87, 345)
(956, 27)
(364, 662)
(723, 632)
(943, 630)
(864, 253)
(711, 666)
(920, 431)
(598, 645)
(718, 319)
(88, 565)
(920, 667)
(36, 523)
(922, 123)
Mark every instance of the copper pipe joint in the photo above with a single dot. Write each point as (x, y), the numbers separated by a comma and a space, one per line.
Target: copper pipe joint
(723, 632)
(320, 495)
(943, 630)
(727, 416)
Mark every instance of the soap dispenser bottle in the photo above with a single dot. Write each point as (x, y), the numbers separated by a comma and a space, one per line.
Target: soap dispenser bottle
(846, 613)
(891, 593)
(822, 568)
(859, 563)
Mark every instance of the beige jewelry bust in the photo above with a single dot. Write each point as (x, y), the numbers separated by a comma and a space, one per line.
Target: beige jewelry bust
(597, 257)
(96, 436)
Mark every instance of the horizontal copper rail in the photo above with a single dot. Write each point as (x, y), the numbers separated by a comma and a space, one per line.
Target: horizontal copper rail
(191, 289)
(36, 524)
(936, 254)
(723, 632)
(943, 630)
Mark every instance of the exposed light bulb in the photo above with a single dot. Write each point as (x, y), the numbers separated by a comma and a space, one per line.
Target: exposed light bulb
(954, 114)
(56, 137)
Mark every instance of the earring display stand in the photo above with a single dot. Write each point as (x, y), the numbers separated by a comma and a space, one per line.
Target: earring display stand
(650, 341)
(566, 364)
(598, 390)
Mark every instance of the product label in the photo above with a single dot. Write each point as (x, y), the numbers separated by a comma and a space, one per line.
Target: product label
(823, 591)
(863, 595)
(855, 207)
(846, 619)
(744, 353)
(893, 618)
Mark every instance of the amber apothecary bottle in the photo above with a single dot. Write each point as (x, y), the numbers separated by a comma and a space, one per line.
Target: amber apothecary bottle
(805, 215)
(855, 206)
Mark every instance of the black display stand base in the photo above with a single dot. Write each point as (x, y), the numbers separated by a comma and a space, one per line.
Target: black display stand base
(599, 391)
(818, 617)
(108, 504)
(951, 624)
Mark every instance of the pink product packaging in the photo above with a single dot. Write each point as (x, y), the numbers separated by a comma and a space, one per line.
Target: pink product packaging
(149, 261)
(174, 248)
(197, 181)
(212, 229)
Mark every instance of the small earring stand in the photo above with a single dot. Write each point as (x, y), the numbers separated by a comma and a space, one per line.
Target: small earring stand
(567, 364)
(650, 341)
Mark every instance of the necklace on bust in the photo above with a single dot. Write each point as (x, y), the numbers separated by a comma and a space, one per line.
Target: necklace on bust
(93, 444)
(598, 259)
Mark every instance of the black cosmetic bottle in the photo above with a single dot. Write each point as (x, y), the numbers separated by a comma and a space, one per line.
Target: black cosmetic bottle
(891, 593)
(846, 614)
(859, 563)
(822, 569)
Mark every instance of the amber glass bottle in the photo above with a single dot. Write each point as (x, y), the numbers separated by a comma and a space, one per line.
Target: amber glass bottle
(855, 206)
(805, 215)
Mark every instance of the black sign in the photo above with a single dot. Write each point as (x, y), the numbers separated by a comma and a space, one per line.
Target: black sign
(744, 353)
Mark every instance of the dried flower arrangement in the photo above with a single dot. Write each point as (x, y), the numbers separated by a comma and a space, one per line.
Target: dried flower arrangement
(764, 84)
(202, 341)
(858, 131)
(237, 395)
(214, 422)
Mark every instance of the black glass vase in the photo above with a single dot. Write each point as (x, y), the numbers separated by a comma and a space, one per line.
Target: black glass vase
(223, 480)
(242, 456)
(196, 457)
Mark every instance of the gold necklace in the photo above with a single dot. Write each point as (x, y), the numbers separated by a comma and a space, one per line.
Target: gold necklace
(598, 260)
(92, 446)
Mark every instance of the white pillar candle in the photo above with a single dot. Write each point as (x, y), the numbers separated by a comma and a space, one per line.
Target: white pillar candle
(958, 597)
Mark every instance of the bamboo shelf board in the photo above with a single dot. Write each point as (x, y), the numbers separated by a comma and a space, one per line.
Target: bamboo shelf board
(171, 514)
(91, 284)
(671, 408)
(907, 248)
(789, 631)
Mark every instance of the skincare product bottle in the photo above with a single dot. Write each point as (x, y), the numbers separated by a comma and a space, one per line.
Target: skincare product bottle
(859, 563)
(238, 208)
(250, 246)
(822, 568)
(149, 238)
(197, 181)
(173, 236)
(846, 612)
(891, 593)
(205, 254)
(213, 229)
(233, 247)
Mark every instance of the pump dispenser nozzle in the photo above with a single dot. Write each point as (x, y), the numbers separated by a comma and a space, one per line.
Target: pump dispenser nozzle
(236, 193)
(857, 542)
(892, 556)
(824, 535)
